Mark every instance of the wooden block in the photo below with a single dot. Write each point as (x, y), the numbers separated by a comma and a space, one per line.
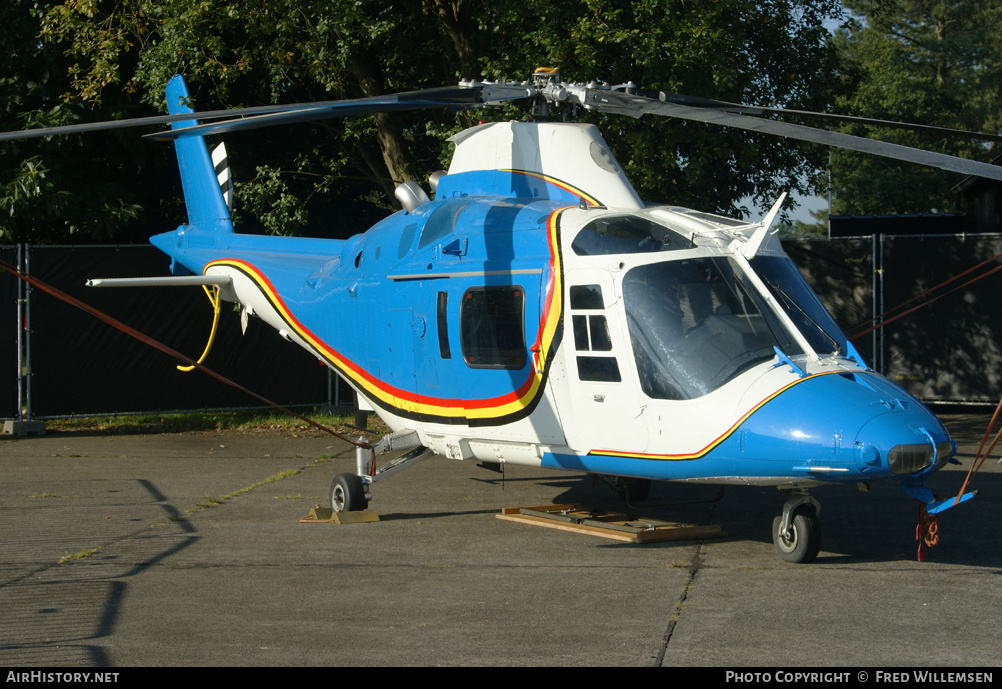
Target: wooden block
(319, 513)
(324, 515)
(360, 517)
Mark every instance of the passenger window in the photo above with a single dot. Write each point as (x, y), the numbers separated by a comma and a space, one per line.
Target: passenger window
(603, 369)
(591, 334)
(587, 297)
(491, 327)
(443, 325)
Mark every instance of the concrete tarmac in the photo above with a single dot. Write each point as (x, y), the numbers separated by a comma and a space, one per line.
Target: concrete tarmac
(187, 550)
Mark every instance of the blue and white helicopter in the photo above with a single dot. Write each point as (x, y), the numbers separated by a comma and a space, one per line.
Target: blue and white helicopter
(537, 312)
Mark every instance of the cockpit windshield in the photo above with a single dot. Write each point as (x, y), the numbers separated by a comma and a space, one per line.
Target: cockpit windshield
(626, 234)
(790, 289)
(696, 324)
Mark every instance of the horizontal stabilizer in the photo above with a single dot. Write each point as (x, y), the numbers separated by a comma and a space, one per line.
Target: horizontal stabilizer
(174, 281)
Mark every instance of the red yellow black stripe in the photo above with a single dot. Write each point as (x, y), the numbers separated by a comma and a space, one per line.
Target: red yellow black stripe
(488, 411)
(589, 199)
(716, 441)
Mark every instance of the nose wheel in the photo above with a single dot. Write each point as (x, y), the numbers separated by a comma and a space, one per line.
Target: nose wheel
(797, 532)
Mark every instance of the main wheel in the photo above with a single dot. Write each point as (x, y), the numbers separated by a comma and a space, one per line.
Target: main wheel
(348, 493)
(803, 542)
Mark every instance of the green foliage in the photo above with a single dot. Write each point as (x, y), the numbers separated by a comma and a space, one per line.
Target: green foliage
(111, 58)
(96, 187)
(767, 53)
(933, 62)
(267, 197)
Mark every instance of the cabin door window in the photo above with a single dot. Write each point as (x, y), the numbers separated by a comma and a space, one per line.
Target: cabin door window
(491, 327)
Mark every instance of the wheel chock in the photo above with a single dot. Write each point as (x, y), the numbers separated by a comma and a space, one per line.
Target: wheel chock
(324, 515)
(360, 517)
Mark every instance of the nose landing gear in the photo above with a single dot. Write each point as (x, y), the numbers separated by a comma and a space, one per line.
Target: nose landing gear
(797, 532)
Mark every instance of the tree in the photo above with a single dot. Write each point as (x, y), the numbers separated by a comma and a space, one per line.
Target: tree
(773, 52)
(76, 188)
(935, 62)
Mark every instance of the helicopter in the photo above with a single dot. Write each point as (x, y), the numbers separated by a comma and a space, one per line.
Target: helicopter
(537, 312)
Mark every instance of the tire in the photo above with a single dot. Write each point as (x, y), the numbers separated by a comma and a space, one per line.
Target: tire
(348, 494)
(803, 543)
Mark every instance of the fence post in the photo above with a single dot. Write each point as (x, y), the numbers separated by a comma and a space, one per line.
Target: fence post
(19, 296)
(26, 325)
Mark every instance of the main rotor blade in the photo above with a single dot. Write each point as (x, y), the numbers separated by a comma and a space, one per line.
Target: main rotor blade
(149, 121)
(635, 106)
(697, 102)
(452, 96)
(98, 126)
(449, 96)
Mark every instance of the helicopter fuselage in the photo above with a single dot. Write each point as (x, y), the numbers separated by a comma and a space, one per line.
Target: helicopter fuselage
(517, 318)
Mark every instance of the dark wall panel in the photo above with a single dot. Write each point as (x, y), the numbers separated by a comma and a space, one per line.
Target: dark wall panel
(8, 336)
(949, 349)
(80, 365)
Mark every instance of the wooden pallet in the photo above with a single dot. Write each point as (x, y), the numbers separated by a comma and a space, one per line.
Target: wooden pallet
(618, 527)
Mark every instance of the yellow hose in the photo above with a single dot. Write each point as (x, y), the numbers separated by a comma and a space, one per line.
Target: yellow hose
(213, 296)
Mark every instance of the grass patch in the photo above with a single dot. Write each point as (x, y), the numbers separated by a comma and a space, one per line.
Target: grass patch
(271, 479)
(79, 555)
(253, 420)
(214, 500)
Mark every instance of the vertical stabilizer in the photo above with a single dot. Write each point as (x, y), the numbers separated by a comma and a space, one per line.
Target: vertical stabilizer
(202, 194)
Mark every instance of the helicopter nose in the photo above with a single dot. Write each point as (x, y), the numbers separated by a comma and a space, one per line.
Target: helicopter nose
(905, 441)
(849, 426)
(903, 437)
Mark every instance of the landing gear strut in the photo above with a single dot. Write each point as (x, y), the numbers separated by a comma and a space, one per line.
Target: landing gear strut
(631, 489)
(797, 532)
(350, 492)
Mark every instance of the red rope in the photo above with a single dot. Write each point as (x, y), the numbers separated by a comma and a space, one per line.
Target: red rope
(927, 531)
(979, 458)
(882, 320)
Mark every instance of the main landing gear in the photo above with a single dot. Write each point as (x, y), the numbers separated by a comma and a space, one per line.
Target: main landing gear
(797, 532)
(350, 492)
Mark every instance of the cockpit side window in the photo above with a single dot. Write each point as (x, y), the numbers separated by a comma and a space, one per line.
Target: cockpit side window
(800, 302)
(694, 325)
(626, 234)
(587, 297)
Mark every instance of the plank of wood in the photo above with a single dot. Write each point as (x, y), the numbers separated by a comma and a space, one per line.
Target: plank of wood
(617, 527)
